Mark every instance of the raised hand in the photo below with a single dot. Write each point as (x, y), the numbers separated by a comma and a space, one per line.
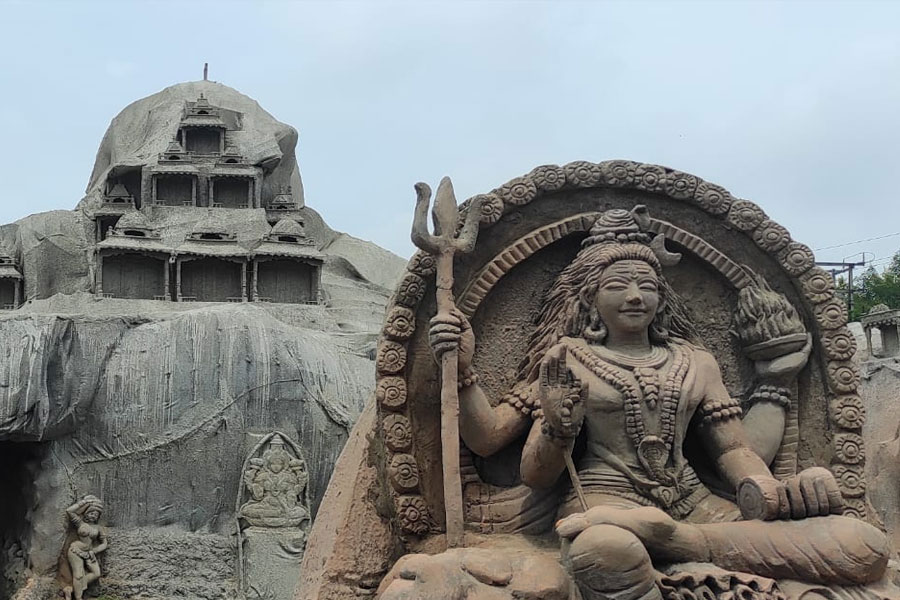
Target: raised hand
(450, 331)
(561, 394)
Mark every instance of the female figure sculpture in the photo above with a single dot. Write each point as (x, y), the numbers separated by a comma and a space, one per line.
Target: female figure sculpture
(85, 541)
(612, 361)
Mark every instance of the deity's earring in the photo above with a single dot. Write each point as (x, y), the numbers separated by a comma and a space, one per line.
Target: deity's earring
(659, 327)
(596, 330)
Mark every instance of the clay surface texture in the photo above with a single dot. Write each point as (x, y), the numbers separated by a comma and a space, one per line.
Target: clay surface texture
(655, 397)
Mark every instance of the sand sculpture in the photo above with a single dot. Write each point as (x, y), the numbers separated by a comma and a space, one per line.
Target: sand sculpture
(656, 399)
(189, 305)
(80, 563)
(273, 519)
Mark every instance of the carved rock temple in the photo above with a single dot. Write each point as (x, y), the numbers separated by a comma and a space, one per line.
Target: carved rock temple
(208, 393)
(191, 317)
(162, 227)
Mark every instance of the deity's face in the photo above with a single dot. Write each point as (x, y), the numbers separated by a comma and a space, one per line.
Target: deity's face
(92, 516)
(628, 296)
(277, 464)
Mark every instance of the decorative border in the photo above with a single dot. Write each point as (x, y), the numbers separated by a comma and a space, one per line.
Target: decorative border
(526, 246)
(846, 410)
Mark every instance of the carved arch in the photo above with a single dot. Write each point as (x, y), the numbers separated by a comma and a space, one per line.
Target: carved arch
(417, 503)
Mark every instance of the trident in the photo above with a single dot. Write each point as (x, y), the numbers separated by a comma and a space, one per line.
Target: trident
(443, 245)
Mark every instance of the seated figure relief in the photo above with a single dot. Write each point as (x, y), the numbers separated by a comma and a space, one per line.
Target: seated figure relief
(276, 484)
(614, 371)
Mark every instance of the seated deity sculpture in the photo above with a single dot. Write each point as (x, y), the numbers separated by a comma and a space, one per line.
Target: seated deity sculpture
(629, 385)
(86, 540)
(615, 372)
(276, 483)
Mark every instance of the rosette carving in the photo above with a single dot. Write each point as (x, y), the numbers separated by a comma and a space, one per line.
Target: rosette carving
(680, 186)
(712, 198)
(422, 264)
(617, 173)
(770, 236)
(848, 412)
(518, 191)
(843, 376)
(391, 392)
(548, 178)
(818, 285)
(404, 472)
(397, 433)
(391, 357)
(831, 314)
(851, 480)
(650, 178)
(413, 514)
(491, 208)
(400, 323)
(411, 290)
(839, 344)
(582, 174)
(855, 507)
(797, 259)
(745, 215)
(848, 448)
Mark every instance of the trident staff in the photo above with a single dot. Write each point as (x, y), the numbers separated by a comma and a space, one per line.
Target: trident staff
(443, 245)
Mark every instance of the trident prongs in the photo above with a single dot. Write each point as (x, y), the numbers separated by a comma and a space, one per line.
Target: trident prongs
(443, 244)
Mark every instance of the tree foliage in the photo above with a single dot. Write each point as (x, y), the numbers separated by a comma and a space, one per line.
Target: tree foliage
(873, 288)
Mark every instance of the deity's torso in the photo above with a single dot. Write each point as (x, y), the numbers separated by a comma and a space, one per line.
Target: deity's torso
(637, 414)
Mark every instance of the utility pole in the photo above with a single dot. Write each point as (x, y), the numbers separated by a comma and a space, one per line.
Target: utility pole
(205, 71)
(839, 268)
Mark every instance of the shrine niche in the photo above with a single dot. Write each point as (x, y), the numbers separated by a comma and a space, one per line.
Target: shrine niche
(887, 322)
(273, 518)
(202, 130)
(210, 266)
(231, 191)
(132, 261)
(11, 282)
(640, 361)
(174, 186)
(286, 266)
(200, 167)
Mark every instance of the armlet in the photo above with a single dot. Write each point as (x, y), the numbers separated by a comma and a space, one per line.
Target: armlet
(714, 411)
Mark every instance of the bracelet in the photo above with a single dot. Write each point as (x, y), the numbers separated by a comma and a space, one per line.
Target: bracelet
(467, 378)
(771, 393)
(557, 438)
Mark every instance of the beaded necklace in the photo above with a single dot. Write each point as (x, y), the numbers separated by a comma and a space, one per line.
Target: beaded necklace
(653, 451)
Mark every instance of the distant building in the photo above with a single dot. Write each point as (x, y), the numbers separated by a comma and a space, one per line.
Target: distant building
(163, 222)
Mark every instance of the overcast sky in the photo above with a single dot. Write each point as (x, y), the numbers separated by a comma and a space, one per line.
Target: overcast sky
(795, 106)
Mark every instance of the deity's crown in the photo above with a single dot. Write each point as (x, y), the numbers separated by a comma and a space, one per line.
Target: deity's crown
(620, 226)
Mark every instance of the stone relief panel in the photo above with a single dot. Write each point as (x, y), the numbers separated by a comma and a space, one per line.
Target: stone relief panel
(273, 518)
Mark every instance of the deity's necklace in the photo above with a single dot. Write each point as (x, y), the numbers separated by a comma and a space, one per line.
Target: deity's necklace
(653, 451)
(644, 368)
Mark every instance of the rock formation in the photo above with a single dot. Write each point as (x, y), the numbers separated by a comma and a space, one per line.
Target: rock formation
(151, 404)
